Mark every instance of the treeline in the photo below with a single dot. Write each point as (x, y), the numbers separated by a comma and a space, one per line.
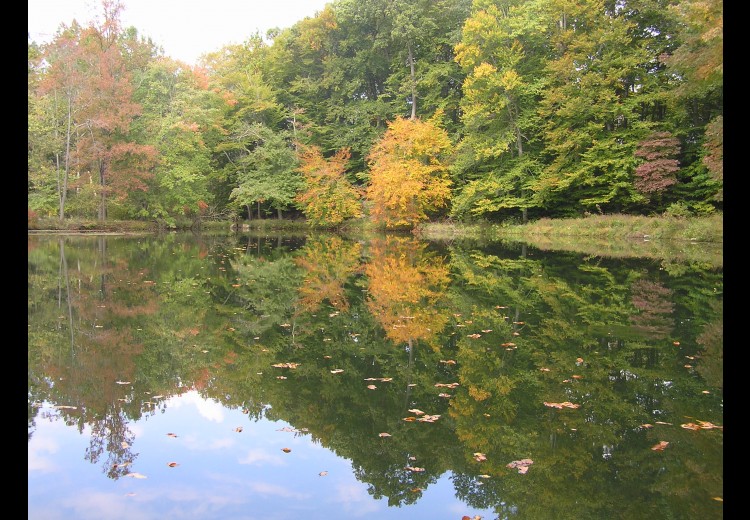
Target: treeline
(399, 111)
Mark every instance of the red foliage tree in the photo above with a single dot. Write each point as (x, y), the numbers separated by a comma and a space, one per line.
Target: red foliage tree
(658, 171)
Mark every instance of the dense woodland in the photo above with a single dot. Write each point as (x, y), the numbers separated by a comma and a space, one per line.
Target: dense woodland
(396, 111)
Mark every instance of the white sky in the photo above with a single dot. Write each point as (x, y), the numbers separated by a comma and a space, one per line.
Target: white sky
(185, 29)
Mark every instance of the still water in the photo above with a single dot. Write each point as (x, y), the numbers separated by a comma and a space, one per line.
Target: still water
(246, 377)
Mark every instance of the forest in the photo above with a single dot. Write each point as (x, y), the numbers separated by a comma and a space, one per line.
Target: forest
(394, 111)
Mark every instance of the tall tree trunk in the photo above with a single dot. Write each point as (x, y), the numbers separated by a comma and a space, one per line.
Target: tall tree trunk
(102, 215)
(413, 85)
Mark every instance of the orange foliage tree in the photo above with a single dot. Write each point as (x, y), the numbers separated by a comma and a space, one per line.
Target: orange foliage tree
(327, 198)
(408, 173)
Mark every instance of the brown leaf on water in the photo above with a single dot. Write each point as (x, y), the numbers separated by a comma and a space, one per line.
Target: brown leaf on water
(544, 369)
(286, 450)
(718, 499)
(416, 411)
(384, 434)
(660, 446)
(337, 370)
(410, 419)
(371, 387)
(508, 344)
(448, 361)
(566, 404)
(474, 336)
(521, 465)
(238, 429)
(480, 457)
(286, 365)
(280, 377)
(429, 418)
(575, 376)
(174, 435)
(702, 425)
(416, 470)
(172, 464)
(323, 473)
(487, 331)
(444, 395)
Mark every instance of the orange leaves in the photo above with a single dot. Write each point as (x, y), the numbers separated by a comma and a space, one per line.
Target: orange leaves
(480, 457)
(286, 450)
(702, 425)
(660, 446)
(172, 464)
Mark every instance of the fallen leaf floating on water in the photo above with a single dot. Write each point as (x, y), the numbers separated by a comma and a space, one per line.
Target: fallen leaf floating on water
(579, 361)
(371, 387)
(238, 429)
(487, 330)
(122, 465)
(474, 336)
(448, 361)
(484, 476)
(429, 418)
(662, 422)
(416, 411)
(544, 369)
(446, 385)
(66, 407)
(286, 450)
(135, 475)
(522, 465)
(718, 499)
(286, 365)
(384, 434)
(660, 446)
(410, 419)
(444, 395)
(280, 377)
(416, 470)
(122, 382)
(172, 464)
(323, 473)
(509, 344)
(566, 404)
(337, 370)
(480, 457)
(172, 435)
(703, 425)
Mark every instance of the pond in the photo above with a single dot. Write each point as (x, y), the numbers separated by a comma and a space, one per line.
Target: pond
(279, 377)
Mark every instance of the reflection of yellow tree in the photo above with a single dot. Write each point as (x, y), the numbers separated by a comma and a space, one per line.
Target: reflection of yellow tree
(328, 262)
(407, 286)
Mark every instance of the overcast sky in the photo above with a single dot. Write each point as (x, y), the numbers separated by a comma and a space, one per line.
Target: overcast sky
(185, 29)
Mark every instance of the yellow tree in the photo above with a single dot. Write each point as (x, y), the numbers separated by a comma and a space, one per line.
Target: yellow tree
(327, 198)
(409, 178)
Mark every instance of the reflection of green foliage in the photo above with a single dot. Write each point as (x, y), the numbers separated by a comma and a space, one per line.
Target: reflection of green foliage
(516, 331)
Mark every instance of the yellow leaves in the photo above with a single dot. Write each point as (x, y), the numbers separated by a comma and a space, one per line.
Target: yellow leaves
(566, 404)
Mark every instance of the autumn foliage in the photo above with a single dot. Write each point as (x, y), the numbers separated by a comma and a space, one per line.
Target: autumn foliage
(408, 174)
(328, 198)
(658, 171)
